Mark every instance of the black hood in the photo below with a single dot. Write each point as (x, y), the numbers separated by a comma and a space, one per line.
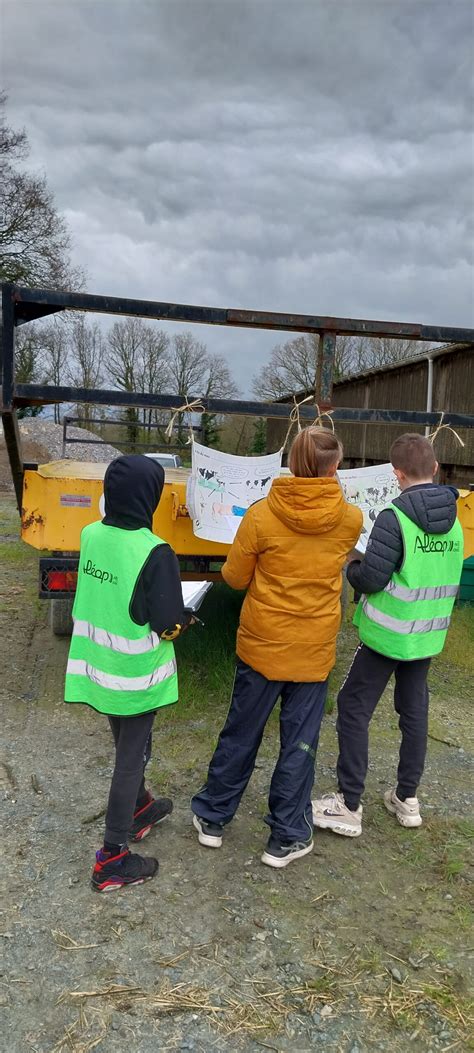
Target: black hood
(431, 507)
(133, 485)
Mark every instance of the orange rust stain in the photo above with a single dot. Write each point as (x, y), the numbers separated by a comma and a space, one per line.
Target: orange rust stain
(28, 521)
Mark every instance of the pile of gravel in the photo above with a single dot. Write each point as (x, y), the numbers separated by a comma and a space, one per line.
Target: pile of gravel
(50, 436)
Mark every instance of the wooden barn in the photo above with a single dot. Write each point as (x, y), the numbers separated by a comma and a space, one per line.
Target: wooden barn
(438, 380)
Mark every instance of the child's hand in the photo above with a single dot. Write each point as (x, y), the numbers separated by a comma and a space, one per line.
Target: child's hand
(192, 621)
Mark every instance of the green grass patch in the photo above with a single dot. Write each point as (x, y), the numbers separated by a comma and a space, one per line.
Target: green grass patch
(458, 649)
(9, 518)
(206, 655)
(17, 554)
(441, 848)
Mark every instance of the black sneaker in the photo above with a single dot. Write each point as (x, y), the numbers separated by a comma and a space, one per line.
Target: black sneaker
(209, 834)
(278, 855)
(154, 811)
(111, 872)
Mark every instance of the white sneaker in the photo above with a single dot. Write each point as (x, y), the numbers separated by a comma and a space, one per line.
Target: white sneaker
(209, 834)
(407, 812)
(330, 813)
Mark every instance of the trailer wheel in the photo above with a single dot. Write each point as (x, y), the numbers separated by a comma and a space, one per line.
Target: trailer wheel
(61, 617)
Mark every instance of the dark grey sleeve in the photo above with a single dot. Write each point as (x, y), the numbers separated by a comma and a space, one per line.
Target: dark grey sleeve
(384, 555)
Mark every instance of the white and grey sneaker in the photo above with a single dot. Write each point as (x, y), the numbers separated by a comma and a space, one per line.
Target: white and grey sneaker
(407, 811)
(209, 834)
(331, 813)
(278, 855)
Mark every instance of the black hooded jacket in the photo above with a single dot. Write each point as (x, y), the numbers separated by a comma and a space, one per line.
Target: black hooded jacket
(132, 489)
(430, 506)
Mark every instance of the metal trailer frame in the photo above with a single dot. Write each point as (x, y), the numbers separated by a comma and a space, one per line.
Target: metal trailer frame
(69, 419)
(21, 305)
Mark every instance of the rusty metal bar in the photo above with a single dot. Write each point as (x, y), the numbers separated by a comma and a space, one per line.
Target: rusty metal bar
(41, 394)
(35, 303)
(7, 347)
(327, 351)
(7, 382)
(13, 445)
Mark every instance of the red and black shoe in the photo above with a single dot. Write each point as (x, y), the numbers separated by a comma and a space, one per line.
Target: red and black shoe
(150, 814)
(112, 872)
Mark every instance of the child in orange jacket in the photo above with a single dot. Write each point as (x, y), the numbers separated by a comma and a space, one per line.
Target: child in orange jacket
(288, 553)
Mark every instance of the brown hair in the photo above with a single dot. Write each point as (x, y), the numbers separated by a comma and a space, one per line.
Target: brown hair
(413, 455)
(313, 452)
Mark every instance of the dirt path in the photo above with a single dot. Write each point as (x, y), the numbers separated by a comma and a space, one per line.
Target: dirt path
(362, 946)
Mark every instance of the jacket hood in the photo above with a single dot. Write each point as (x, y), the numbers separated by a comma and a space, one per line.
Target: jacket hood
(430, 506)
(307, 506)
(133, 485)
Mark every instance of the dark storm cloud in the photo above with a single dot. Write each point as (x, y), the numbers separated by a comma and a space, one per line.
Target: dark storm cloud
(307, 156)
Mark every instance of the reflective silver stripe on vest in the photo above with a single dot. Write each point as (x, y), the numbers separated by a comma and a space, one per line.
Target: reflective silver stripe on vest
(77, 667)
(435, 592)
(398, 625)
(121, 644)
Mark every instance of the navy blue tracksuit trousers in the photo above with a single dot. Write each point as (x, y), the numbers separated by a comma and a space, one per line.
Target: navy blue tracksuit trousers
(253, 698)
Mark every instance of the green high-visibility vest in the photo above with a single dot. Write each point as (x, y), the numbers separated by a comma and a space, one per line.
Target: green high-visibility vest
(115, 665)
(410, 617)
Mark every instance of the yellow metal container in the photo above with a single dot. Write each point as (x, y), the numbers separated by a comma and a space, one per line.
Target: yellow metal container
(466, 518)
(62, 497)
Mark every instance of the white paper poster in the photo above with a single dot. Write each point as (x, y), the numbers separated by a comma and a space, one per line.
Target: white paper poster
(371, 489)
(222, 487)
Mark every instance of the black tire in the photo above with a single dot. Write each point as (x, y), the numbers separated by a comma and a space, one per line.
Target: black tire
(61, 617)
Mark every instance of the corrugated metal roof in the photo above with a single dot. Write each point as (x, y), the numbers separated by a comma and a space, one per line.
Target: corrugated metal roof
(404, 363)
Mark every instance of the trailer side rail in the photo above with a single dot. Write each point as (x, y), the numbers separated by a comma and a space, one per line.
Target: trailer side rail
(20, 305)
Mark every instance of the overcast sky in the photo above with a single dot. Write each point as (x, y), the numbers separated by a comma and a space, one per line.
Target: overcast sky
(311, 156)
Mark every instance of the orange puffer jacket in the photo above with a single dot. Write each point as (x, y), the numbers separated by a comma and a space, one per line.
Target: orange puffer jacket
(289, 553)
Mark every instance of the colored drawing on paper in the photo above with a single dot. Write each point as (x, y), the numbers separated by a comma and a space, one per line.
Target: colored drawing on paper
(371, 489)
(222, 487)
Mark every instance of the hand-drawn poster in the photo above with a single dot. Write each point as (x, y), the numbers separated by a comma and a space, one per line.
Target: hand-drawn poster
(371, 489)
(222, 487)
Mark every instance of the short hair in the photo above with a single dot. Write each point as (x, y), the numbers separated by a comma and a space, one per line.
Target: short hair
(413, 454)
(314, 451)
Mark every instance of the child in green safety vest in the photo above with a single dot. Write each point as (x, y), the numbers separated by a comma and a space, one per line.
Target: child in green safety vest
(408, 581)
(127, 611)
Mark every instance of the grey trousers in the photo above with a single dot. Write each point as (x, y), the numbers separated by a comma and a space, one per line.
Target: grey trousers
(132, 737)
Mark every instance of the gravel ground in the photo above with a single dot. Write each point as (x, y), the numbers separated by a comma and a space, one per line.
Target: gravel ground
(362, 947)
(42, 440)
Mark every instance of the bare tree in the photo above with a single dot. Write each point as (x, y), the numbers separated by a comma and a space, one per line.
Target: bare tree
(219, 383)
(141, 358)
(189, 363)
(293, 366)
(386, 351)
(123, 362)
(54, 355)
(86, 350)
(345, 358)
(35, 243)
(137, 359)
(28, 367)
(153, 374)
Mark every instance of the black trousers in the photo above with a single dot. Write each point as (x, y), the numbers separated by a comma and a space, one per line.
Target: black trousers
(367, 679)
(132, 737)
(253, 699)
